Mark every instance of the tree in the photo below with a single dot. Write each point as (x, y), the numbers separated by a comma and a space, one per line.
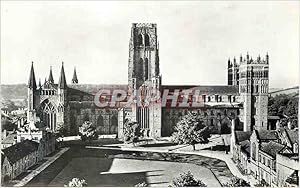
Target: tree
(131, 131)
(87, 131)
(285, 106)
(236, 182)
(76, 182)
(191, 130)
(187, 180)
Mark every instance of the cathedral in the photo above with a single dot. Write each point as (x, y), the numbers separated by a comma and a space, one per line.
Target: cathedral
(243, 102)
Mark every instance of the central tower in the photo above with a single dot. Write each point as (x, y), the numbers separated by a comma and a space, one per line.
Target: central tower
(144, 74)
(143, 63)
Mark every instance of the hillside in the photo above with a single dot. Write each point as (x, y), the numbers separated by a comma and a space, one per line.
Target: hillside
(292, 91)
(17, 92)
(13, 91)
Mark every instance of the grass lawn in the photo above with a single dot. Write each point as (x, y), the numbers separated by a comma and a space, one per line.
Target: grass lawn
(129, 172)
(100, 167)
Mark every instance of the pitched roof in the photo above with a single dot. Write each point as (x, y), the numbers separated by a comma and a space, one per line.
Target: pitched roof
(20, 150)
(242, 136)
(293, 135)
(245, 147)
(2, 158)
(267, 134)
(94, 88)
(224, 89)
(62, 83)
(272, 148)
(31, 81)
(293, 178)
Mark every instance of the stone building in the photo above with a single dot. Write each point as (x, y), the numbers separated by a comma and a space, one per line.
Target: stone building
(18, 158)
(243, 100)
(270, 156)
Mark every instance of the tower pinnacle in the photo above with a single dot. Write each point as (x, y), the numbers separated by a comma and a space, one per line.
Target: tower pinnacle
(51, 76)
(74, 79)
(62, 84)
(32, 82)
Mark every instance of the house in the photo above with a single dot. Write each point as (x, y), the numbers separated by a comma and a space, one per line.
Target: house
(240, 148)
(287, 167)
(270, 156)
(256, 139)
(292, 180)
(267, 162)
(19, 158)
(289, 138)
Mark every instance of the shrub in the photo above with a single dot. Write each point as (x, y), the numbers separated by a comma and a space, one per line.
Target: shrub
(236, 182)
(187, 180)
(143, 184)
(76, 182)
(131, 131)
(87, 131)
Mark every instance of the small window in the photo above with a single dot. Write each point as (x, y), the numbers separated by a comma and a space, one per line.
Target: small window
(229, 98)
(216, 98)
(147, 40)
(204, 98)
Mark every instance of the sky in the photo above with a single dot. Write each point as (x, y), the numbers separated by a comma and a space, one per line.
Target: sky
(195, 39)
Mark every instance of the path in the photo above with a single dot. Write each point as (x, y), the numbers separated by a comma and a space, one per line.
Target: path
(34, 173)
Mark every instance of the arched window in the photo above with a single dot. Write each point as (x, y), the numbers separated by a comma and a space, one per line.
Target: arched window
(48, 114)
(140, 72)
(253, 151)
(146, 69)
(100, 124)
(139, 40)
(147, 40)
(114, 124)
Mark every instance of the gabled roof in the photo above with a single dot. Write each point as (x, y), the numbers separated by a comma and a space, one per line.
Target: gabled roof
(293, 178)
(245, 147)
(293, 135)
(272, 148)
(20, 150)
(2, 158)
(267, 134)
(242, 136)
